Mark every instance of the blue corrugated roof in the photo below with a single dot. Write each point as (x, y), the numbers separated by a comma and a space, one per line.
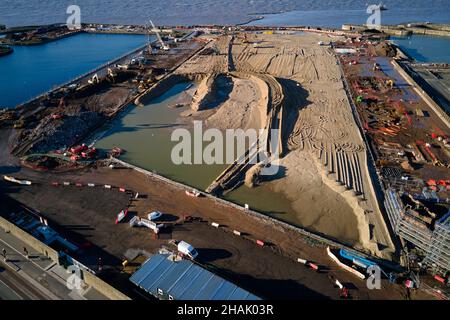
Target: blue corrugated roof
(184, 280)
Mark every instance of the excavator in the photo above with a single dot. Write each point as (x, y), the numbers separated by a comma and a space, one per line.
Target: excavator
(94, 79)
(390, 83)
(112, 75)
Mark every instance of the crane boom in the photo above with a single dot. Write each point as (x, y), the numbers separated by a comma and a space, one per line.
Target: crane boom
(156, 31)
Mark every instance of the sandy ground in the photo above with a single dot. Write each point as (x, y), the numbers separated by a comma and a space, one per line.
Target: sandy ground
(317, 206)
(208, 64)
(240, 110)
(325, 156)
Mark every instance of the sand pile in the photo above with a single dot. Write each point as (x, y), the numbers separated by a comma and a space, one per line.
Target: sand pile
(243, 108)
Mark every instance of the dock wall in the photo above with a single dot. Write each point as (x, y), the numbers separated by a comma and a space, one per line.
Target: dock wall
(161, 87)
(29, 240)
(89, 278)
(431, 103)
(86, 74)
(104, 288)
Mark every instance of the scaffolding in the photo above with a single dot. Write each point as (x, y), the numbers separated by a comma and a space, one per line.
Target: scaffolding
(435, 244)
(438, 257)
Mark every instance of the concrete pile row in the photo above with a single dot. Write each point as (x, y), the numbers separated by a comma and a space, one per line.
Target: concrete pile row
(345, 167)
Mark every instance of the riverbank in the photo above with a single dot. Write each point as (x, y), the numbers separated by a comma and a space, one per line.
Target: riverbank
(428, 29)
(5, 50)
(28, 36)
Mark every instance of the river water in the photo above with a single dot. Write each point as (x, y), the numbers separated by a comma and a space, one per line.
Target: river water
(186, 12)
(425, 48)
(32, 70)
(332, 18)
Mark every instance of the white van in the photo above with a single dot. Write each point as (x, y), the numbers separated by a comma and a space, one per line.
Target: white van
(188, 250)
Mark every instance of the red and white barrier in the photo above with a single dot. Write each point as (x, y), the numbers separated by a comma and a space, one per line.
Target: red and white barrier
(121, 216)
(313, 266)
(55, 184)
(140, 222)
(78, 184)
(260, 243)
(439, 278)
(122, 190)
(238, 233)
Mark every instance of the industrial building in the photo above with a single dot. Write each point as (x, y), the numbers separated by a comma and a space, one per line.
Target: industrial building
(434, 241)
(168, 277)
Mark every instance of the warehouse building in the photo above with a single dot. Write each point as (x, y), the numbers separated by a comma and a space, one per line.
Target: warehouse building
(169, 278)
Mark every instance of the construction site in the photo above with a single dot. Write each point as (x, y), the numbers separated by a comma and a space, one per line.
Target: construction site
(407, 133)
(291, 83)
(57, 120)
(364, 159)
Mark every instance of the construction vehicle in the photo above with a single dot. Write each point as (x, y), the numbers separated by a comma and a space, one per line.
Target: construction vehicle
(112, 75)
(78, 149)
(89, 153)
(19, 124)
(94, 79)
(158, 36)
(390, 83)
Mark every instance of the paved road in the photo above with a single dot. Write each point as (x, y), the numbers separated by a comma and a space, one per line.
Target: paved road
(32, 278)
(14, 287)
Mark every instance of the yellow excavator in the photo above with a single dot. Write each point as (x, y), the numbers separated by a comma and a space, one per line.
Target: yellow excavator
(390, 83)
(112, 75)
(94, 79)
